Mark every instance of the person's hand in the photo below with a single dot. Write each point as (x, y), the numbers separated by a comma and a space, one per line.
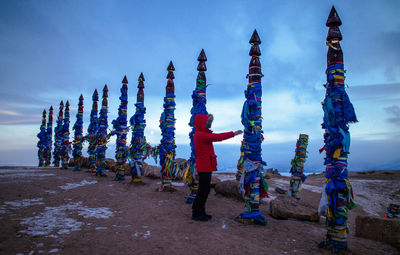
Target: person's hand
(238, 132)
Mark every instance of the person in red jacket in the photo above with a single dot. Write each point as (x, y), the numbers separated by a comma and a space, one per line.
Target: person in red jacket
(206, 161)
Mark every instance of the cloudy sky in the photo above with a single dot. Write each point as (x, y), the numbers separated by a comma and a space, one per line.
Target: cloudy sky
(55, 50)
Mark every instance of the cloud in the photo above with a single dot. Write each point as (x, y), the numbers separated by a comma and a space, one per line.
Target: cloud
(394, 111)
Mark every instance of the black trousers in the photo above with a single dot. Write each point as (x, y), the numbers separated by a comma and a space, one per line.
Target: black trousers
(198, 207)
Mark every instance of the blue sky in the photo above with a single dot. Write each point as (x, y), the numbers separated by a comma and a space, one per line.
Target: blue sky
(56, 50)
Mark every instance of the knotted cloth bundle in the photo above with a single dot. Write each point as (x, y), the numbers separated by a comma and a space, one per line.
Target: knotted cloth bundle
(338, 113)
(297, 165)
(250, 164)
(393, 211)
(78, 136)
(199, 107)
(121, 129)
(58, 132)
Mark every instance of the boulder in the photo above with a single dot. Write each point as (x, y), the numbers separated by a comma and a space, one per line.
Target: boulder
(111, 164)
(228, 189)
(151, 171)
(214, 181)
(379, 229)
(284, 207)
(84, 162)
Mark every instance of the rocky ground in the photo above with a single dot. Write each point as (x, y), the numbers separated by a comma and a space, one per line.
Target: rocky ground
(53, 211)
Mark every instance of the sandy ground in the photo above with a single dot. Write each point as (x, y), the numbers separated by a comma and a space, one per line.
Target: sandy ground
(53, 211)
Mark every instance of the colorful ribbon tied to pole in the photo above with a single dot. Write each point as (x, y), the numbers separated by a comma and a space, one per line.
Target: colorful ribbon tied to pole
(78, 136)
(49, 138)
(338, 113)
(120, 126)
(138, 145)
(167, 126)
(250, 165)
(42, 141)
(199, 107)
(92, 133)
(297, 165)
(58, 132)
(65, 145)
(102, 136)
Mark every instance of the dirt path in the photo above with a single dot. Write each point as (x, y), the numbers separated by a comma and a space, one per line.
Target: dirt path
(53, 211)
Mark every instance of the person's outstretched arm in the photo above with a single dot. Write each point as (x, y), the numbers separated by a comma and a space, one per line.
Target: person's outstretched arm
(211, 137)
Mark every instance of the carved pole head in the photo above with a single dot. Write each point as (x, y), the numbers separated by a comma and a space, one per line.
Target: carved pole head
(202, 61)
(170, 89)
(140, 94)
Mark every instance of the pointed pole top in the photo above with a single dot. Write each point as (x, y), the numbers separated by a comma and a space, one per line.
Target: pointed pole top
(333, 18)
(202, 56)
(67, 104)
(51, 108)
(171, 67)
(141, 77)
(61, 104)
(81, 97)
(44, 112)
(125, 80)
(95, 93)
(202, 61)
(255, 39)
(105, 89)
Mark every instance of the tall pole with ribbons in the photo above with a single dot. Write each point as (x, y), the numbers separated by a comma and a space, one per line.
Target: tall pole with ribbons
(338, 114)
(250, 164)
(78, 136)
(199, 107)
(138, 142)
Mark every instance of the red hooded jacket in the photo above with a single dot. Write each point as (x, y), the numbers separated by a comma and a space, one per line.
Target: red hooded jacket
(206, 160)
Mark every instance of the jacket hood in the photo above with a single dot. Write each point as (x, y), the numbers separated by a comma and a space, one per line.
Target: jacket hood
(200, 121)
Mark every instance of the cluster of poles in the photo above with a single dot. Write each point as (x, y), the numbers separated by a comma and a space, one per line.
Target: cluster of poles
(338, 113)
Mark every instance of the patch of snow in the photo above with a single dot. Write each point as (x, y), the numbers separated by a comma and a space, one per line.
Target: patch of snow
(52, 192)
(161, 202)
(31, 252)
(269, 198)
(17, 204)
(56, 219)
(69, 186)
(223, 225)
(7, 171)
(178, 184)
(141, 234)
(99, 228)
(53, 250)
(374, 195)
(25, 175)
(312, 188)
(225, 177)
